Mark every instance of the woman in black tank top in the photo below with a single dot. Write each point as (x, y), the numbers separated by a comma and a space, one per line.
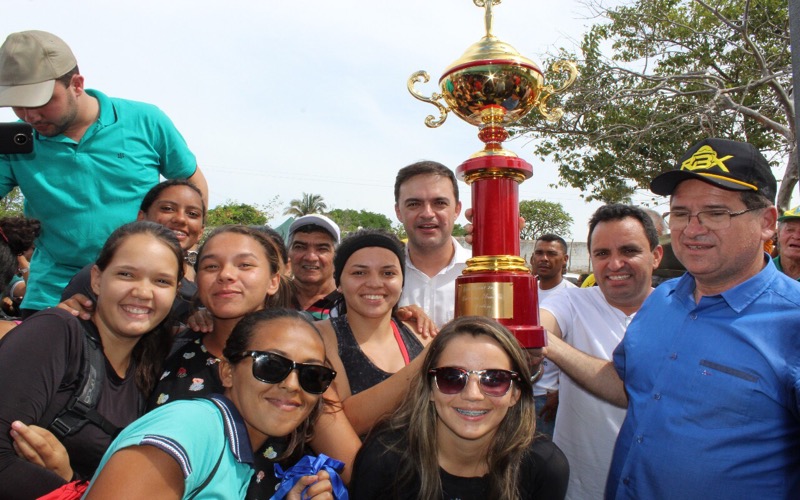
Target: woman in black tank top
(372, 351)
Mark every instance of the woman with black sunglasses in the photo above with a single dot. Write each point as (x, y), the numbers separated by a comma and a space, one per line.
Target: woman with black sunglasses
(238, 273)
(467, 428)
(274, 372)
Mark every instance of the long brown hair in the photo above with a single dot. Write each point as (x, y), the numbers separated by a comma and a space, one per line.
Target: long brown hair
(412, 432)
(151, 350)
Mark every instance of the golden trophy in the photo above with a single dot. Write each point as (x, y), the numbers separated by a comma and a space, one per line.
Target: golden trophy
(493, 86)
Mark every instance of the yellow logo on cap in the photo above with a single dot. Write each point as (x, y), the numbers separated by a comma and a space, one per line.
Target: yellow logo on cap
(704, 159)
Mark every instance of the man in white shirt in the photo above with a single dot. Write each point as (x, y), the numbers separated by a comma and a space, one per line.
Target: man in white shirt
(548, 262)
(624, 251)
(426, 202)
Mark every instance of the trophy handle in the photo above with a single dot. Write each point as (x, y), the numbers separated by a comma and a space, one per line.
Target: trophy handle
(423, 77)
(555, 114)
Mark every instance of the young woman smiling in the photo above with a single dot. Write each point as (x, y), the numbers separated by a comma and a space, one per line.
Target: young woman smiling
(176, 204)
(467, 428)
(273, 373)
(135, 279)
(372, 351)
(238, 272)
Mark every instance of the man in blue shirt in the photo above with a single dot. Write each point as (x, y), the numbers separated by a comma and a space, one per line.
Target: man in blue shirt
(711, 363)
(94, 158)
(788, 262)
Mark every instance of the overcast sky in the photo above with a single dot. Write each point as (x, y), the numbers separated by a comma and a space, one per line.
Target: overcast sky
(281, 98)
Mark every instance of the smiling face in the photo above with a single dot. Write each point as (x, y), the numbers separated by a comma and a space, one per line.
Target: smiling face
(234, 275)
(428, 209)
(623, 262)
(722, 258)
(371, 282)
(311, 257)
(471, 416)
(136, 289)
(274, 409)
(179, 208)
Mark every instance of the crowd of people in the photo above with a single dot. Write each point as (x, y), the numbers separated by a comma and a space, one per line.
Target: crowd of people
(148, 360)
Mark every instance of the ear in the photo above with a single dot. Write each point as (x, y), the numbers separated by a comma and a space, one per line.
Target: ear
(566, 259)
(96, 273)
(226, 373)
(397, 212)
(515, 394)
(274, 282)
(768, 222)
(77, 84)
(458, 209)
(658, 254)
(140, 216)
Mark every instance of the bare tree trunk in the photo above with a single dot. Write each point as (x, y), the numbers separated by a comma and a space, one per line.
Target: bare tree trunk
(789, 181)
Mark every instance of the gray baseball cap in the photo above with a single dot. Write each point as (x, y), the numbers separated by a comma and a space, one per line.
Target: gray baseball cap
(30, 63)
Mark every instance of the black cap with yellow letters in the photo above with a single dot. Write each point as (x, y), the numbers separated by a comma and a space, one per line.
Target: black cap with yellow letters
(733, 165)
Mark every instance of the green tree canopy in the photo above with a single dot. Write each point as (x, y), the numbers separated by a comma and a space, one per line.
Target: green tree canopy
(236, 213)
(308, 204)
(660, 75)
(544, 217)
(12, 204)
(350, 220)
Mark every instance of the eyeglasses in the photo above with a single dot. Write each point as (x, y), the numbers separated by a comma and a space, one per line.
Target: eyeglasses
(452, 380)
(712, 220)
(273, 368)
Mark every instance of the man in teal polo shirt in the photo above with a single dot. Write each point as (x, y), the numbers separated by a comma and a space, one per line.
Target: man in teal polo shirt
(788, 261)
(94, 158)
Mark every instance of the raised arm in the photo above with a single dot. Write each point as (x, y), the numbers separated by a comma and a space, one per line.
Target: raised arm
(199, 180)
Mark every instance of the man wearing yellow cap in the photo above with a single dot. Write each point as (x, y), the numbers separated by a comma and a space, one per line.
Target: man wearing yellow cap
(788, 261)
(94, 158)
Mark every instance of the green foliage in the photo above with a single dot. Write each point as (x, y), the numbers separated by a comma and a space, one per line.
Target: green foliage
(544, 217)
(12, 204)
(308, 204)
(237, 213)
(678, 71)
(458, 230)
(350, 220)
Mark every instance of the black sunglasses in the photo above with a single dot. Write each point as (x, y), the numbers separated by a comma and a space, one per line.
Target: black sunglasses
(451, 380)
(273, 368)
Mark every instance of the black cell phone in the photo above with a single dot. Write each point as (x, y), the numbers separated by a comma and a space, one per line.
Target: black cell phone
(16, 138)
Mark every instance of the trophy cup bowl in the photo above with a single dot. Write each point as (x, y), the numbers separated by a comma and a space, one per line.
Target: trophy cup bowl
(493, 86)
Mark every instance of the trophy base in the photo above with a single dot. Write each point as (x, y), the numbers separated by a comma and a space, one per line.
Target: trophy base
(511, 298)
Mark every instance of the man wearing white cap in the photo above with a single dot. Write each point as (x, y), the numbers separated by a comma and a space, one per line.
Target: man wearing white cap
(788, 262)
(312, 241)
(94, 158)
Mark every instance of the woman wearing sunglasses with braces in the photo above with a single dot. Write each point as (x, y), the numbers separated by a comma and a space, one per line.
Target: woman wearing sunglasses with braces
(467, 428)
(274, 373)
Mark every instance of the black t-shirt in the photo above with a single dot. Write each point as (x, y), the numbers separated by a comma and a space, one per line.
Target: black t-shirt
(544, 474)
(40, 369)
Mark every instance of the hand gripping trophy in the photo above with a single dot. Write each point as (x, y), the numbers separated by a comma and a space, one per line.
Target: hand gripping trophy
(492, 86)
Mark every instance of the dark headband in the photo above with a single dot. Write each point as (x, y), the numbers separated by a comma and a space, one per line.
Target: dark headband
(360, 240)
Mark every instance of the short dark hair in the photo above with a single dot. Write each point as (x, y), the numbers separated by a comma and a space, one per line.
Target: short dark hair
(551, 238)
(66, 78)
(618, 211)
(425, 167)
(753, 199)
